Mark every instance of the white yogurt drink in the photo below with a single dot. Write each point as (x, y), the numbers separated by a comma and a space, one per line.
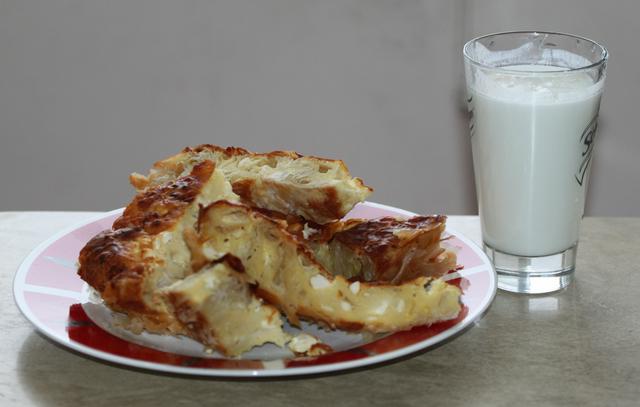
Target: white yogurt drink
(534, 99)
(532, 141)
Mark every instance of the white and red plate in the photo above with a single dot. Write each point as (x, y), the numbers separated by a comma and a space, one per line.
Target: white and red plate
(61, 306)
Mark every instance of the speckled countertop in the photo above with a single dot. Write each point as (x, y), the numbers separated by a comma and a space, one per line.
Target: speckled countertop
(577, 347)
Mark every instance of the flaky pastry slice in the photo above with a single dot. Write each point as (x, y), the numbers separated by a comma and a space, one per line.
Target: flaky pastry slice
(318, 189)
(143, 267)
(287, 275)
(218, 309)
(389, 250)
(146, 248)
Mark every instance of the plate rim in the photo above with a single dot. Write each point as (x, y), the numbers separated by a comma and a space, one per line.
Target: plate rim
(19, 283)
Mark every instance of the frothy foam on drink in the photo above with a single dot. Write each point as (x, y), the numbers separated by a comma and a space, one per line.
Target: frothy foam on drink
(551, 82)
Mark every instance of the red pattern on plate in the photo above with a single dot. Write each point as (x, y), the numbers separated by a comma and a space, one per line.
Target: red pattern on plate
(81, 329)
(66, 321)
(418, 334)
(335, 357)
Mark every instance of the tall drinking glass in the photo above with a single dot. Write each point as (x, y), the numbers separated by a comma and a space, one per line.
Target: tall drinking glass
(534, 99)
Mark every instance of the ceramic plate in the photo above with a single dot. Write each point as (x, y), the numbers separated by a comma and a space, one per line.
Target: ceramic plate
(61, 306)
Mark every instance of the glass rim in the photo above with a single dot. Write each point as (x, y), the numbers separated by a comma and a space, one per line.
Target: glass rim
(602, 60)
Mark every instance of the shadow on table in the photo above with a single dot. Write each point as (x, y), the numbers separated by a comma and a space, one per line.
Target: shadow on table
(54, 375)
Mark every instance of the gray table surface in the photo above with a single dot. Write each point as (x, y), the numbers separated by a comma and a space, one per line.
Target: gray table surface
(577, 347)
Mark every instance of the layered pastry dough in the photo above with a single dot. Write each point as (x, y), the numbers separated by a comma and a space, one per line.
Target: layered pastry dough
(217, 243)
(385, 250)
(144, 267)
(318, 189)
(146, 249)
(287, 274)
(218, 309)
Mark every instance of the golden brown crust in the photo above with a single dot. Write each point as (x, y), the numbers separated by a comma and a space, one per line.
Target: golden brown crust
(374, 235)
(321, 190)
(388, 249)
(113, 252)
(120, 263)
(329, 206)
(243, 188)
(239, 151)
(399, 249)
(157, 209)
(111, 263)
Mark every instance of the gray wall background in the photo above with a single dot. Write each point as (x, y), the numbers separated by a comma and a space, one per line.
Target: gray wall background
(91, 90)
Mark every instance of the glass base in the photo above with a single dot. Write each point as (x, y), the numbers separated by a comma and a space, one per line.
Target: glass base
(533, 275)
